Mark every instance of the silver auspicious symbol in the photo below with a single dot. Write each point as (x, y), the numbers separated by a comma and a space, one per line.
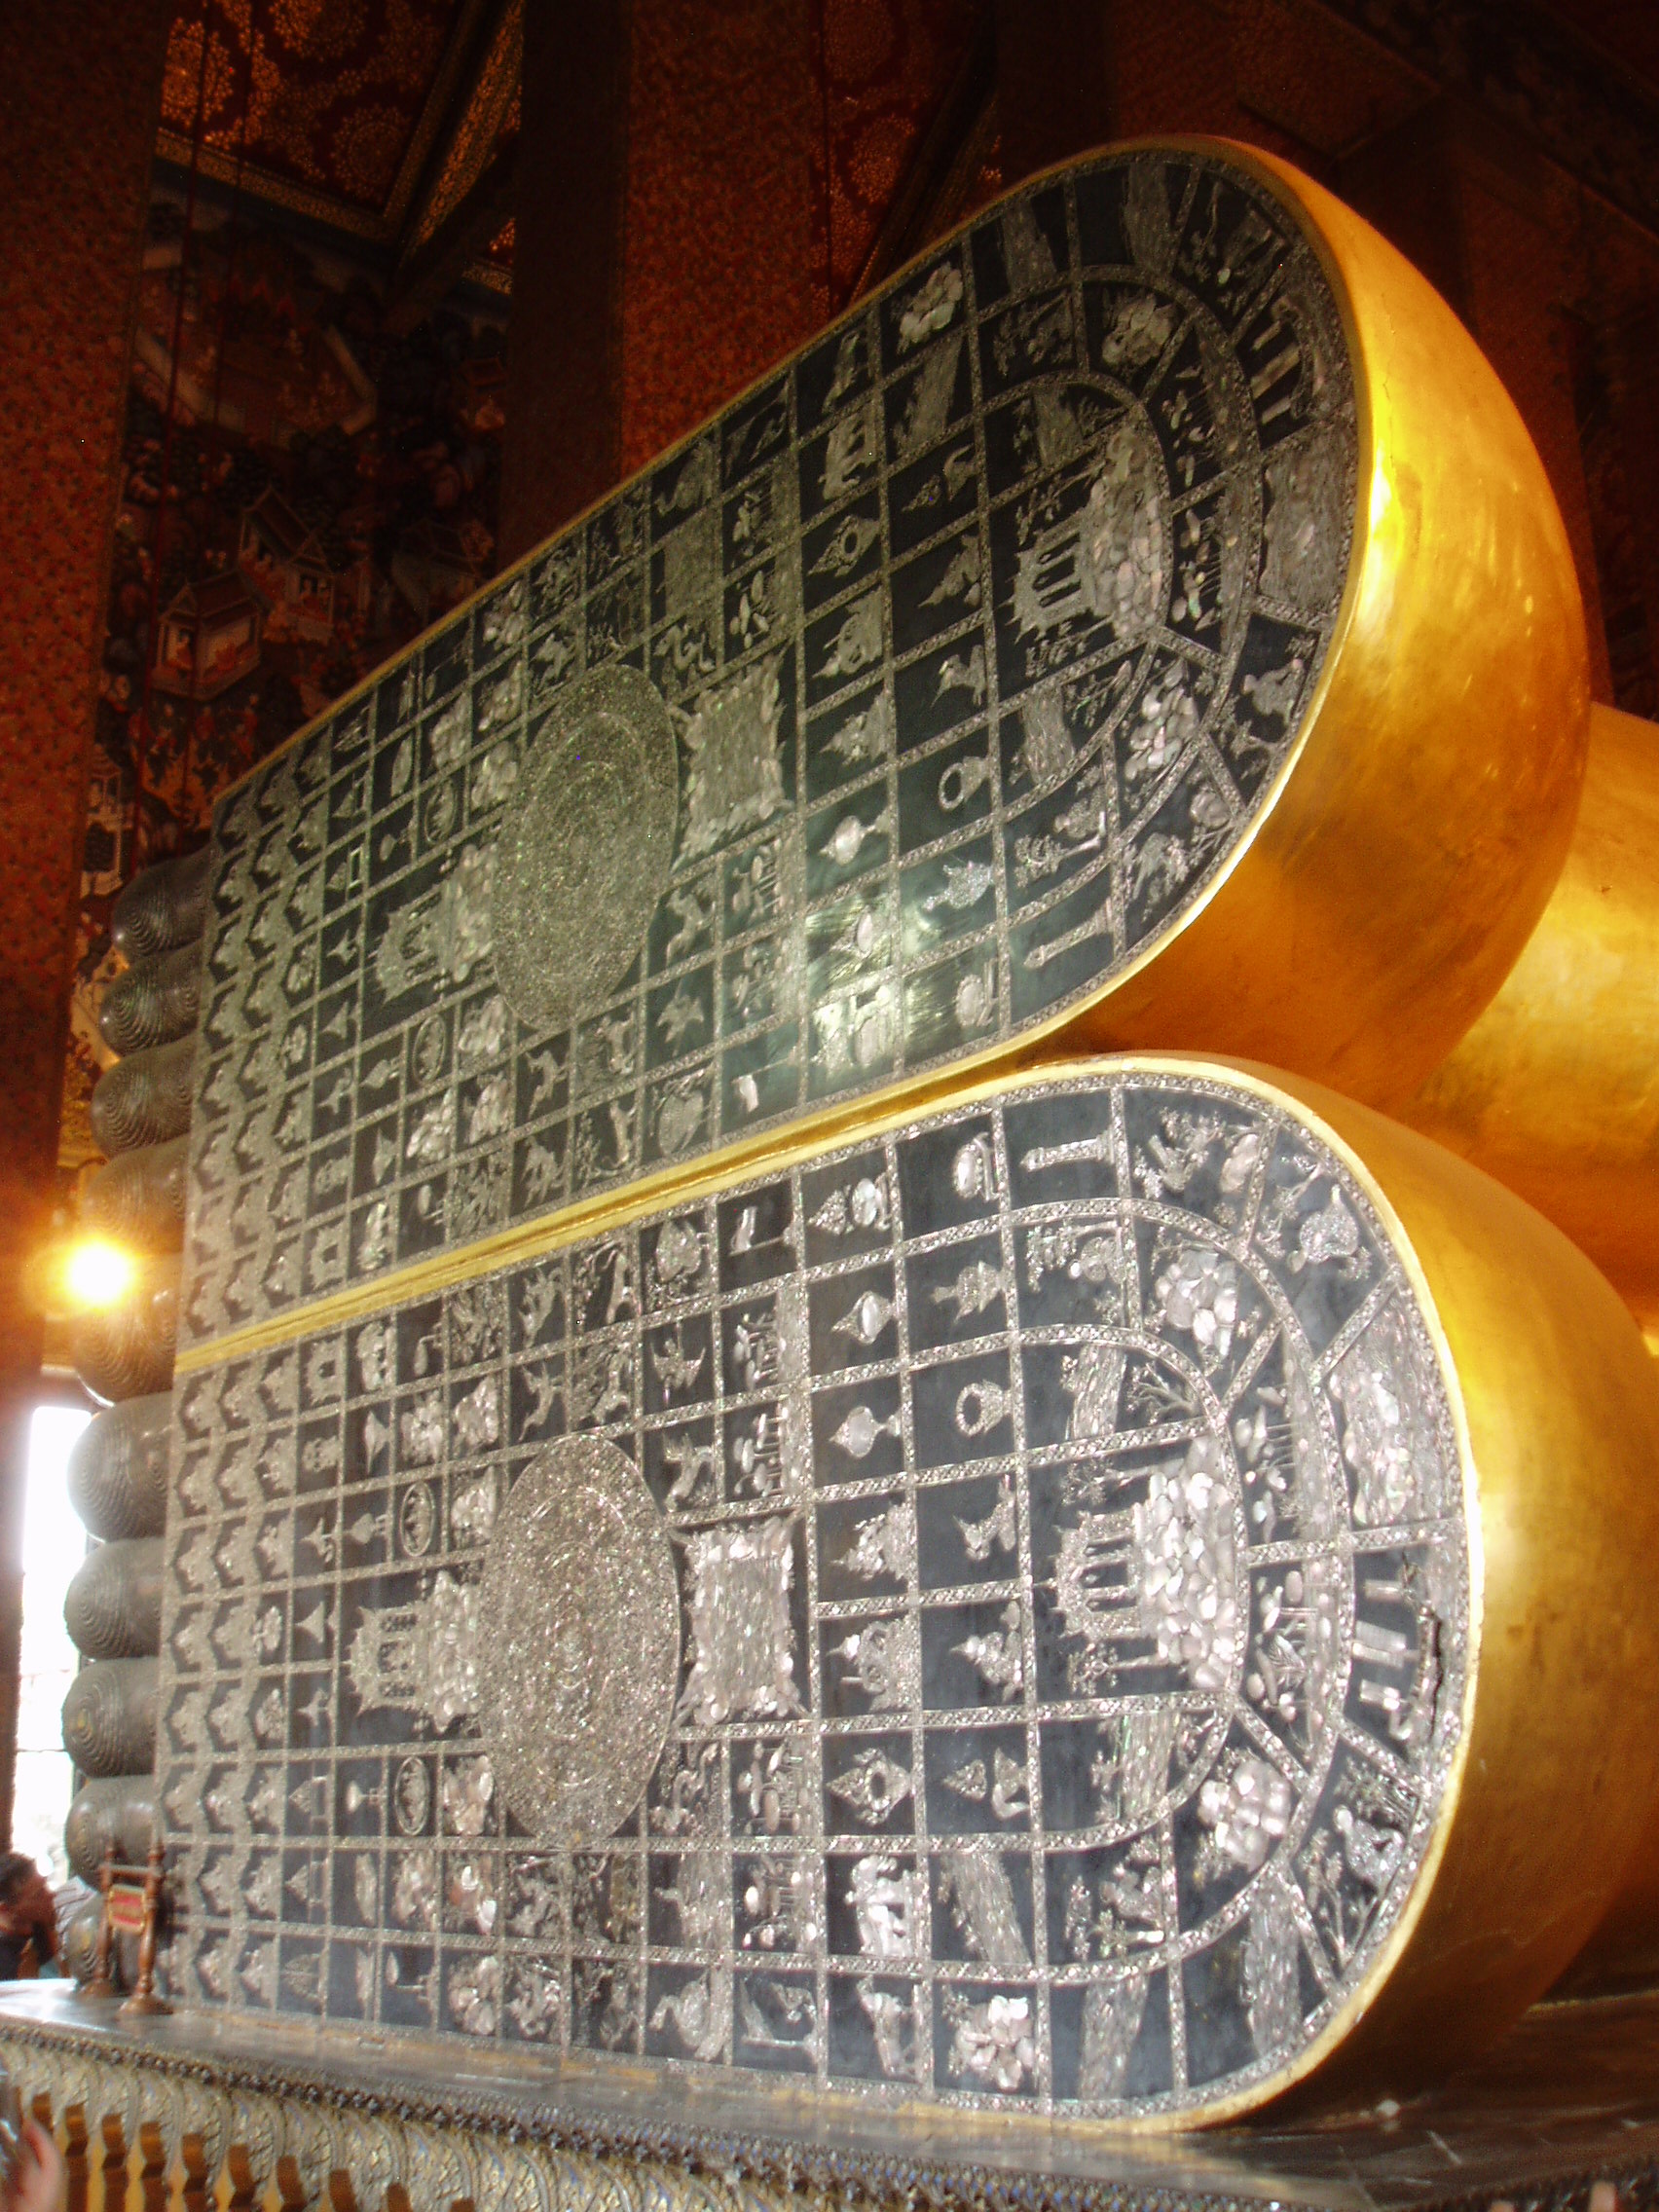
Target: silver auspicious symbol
(580, 869)
(576, 1673)
(740, 1633)
(873, 1786)
(860, 1430)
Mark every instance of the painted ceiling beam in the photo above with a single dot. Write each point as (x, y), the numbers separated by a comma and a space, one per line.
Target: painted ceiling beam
(434, 268)
(467, 142)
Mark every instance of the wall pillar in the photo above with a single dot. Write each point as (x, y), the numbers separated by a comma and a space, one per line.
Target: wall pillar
(1054, 87)
(79, 98)
(562, 445)
(664, 245)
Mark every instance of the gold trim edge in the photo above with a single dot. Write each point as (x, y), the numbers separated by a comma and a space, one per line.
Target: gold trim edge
(776, 1151)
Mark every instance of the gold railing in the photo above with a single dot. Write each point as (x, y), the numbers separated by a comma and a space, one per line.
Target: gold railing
(145, 2132)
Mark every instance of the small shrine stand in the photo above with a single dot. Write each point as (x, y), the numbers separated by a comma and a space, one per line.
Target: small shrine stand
(132, 1906)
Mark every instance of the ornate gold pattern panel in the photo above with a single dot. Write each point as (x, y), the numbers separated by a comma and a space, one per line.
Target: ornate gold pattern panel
(326, 97)
(1066, 639)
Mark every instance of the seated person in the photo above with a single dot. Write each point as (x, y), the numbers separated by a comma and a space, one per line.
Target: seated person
(28, 1925)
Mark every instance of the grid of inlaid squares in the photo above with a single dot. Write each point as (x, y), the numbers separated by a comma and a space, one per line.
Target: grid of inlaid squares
(980, 803)
(888, 1371)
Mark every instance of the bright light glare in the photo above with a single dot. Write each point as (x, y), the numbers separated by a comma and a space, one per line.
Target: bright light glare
(98, 1273)
(55, 1543)
(1382, 496)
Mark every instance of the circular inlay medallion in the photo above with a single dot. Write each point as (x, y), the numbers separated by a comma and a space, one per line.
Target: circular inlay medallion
(579, 1649)
(582, 865)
